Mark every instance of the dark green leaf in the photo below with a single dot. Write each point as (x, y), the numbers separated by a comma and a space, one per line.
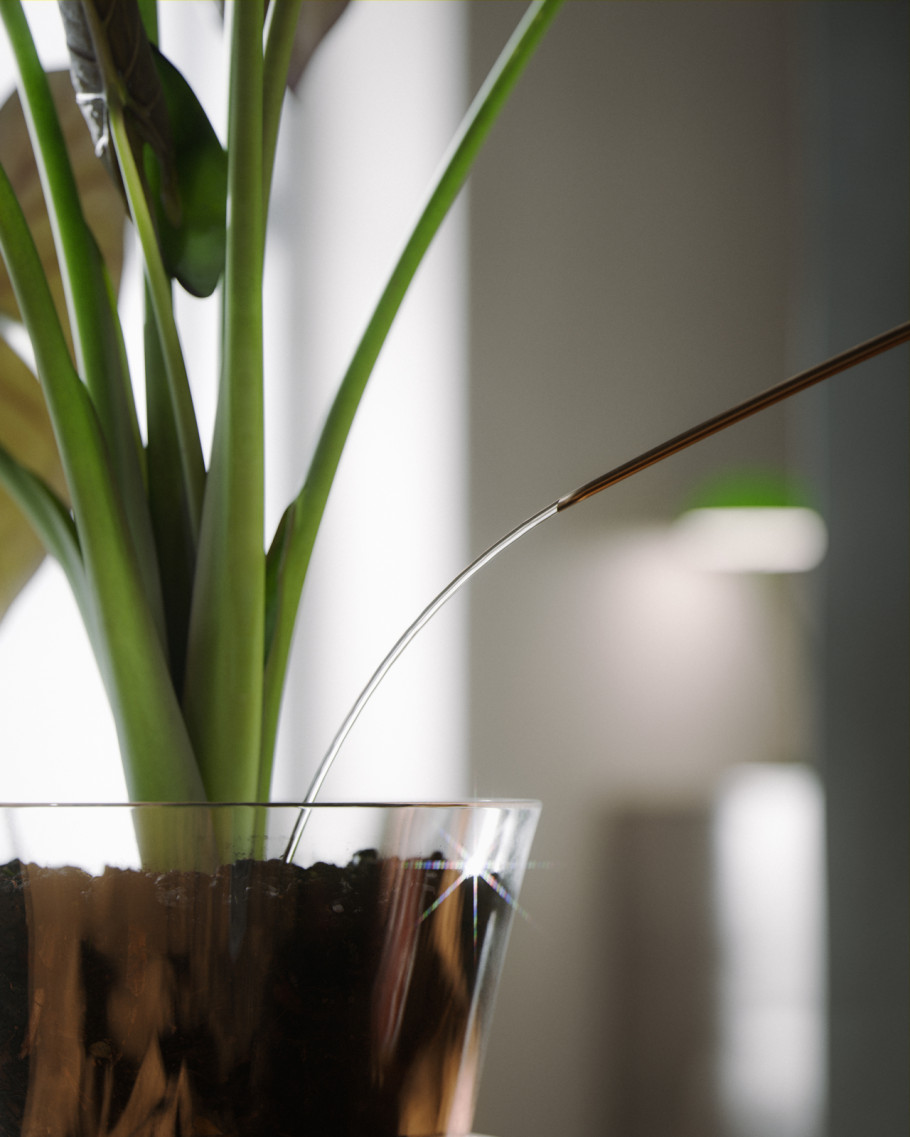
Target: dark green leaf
(193, 248)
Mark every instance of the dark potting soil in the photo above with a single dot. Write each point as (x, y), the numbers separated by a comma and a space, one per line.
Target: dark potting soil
(262, 1001)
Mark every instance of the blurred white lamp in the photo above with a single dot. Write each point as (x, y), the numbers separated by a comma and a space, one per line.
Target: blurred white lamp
(751, 522)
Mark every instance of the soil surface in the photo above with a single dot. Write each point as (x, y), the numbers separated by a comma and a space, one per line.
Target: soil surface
(262, 1001)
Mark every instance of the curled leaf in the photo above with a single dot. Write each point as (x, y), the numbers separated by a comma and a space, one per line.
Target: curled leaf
(87, 80)
(175, 148)
(111, 57)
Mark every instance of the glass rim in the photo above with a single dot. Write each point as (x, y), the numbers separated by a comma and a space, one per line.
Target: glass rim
(454, 803)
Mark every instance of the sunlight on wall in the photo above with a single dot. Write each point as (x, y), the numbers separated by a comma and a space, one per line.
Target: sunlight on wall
(359, 156)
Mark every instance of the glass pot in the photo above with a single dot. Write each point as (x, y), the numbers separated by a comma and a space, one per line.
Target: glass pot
(242, 970)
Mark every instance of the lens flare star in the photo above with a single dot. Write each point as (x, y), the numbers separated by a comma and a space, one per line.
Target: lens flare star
(470, 866)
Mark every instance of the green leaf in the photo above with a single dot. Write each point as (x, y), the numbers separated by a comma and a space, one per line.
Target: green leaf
(303, 517)
(111, 57)
(181, 434)
(157, 754)
(148, 11)
(173, 145)
(91, 303)
(25, 428)
(192, 246)
(172, 518)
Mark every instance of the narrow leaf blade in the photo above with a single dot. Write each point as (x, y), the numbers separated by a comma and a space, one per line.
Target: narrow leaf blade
(308, 508)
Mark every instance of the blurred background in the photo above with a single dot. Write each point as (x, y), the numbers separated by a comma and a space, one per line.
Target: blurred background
(683, 204)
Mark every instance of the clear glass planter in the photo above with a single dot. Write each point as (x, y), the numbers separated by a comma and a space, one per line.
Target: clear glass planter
(176, 970)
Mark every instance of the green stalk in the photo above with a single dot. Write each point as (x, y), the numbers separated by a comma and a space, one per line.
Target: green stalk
(290, 554)
(174, 536)
(176, 470)
(156, 751)
(223, 690)
(159, 291)
(90, 300)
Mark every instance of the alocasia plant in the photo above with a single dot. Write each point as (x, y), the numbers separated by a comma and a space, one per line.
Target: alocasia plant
(189, 614)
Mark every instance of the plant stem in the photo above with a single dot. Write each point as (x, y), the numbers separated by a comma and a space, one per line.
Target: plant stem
(301, 522)
(157, 756)
(223, 691)
(172, 524)
(90, 300)
(159, 292)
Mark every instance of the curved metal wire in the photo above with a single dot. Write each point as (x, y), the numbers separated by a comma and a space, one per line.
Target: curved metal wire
(833, 366)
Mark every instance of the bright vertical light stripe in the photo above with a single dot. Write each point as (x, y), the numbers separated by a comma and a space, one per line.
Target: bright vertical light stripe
(769, 844)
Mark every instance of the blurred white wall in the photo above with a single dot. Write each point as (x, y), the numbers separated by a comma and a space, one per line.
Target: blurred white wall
(362, 141)
(642, 230)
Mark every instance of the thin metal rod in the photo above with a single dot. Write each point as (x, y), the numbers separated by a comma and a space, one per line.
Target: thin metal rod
(833, 366)
(379, 674)
(425, 616)
(777, 394)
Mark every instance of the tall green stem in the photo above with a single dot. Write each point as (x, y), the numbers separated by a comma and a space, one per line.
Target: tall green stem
(154, 745)
(290, 553)
(159, 293)
(90, 300)
(223, 693)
